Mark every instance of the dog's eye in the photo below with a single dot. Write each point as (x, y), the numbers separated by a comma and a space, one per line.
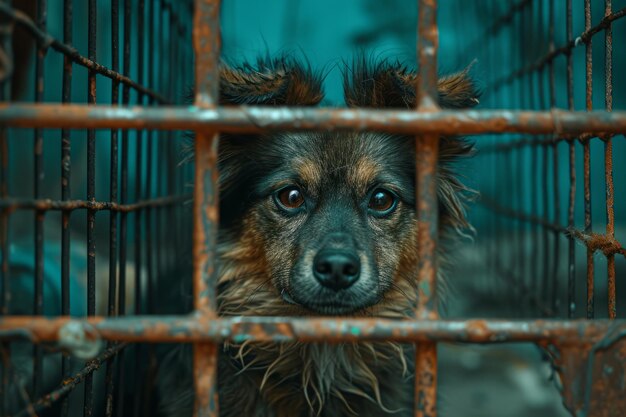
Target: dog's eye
(382, 201)
(290, 197)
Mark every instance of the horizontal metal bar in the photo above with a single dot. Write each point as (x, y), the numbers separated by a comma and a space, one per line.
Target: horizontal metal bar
(256, 119)
(12, 204)
(197, 328)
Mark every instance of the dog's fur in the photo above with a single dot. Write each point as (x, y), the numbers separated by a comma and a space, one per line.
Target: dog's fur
(266, 254)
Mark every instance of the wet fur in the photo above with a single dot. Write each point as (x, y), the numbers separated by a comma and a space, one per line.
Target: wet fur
(256, 258)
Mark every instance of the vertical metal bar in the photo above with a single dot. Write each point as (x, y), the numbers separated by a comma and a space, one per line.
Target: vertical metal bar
(521, 291)
(587, 163)
(207, 45)
(519, 192)
(490, 285)
(162, 242)
(571, 262)
(66, 164)
(534, 229)
(508, 178)
(171, 211)
(532, 102)
(42, 14)
(542, 105)
(123, 238)
(545, 297)
(112, 364)
(179, 59)
(112, 310)
(555, 304)
(555, 174)
(138, 159)
(5, 289)
(525, 102)
(159, 161)
(148, 181)
(91, 193)
(150, 371)
(608, 161)
(138, 373)
(427, 150)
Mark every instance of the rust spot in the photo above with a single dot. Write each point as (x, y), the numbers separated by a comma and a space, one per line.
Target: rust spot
(597, 241)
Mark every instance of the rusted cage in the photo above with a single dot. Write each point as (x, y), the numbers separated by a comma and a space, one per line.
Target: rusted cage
(589, 354)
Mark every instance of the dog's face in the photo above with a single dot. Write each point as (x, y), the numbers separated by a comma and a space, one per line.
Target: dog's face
(333, 212)
(331, 216)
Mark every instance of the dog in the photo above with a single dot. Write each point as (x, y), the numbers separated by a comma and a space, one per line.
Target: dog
(321, 224)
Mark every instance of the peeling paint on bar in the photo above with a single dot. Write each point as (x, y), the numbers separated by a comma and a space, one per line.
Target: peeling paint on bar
(207, 47)
(189, 329)
(245, 119)
(427, 151)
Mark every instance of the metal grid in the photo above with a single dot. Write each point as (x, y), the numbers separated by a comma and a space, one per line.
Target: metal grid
(535, 85)
(143, 202)
(582, 346)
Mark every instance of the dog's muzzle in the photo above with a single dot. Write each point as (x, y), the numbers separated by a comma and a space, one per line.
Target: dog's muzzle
(336, 269)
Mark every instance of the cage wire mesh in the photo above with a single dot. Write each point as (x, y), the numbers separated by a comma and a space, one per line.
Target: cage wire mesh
(91, 219)
(98, 232)
(550, 204)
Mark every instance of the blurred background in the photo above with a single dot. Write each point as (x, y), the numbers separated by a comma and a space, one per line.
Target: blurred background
(475, 380)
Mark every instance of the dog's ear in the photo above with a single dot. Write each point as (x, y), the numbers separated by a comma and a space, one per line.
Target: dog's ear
(282, 81)
(391, 85)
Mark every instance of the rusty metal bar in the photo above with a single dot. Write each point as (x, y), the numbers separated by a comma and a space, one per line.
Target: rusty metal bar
(545, 275)
(571, 262)
(608, 161)
(147, 192)
(188, 329)
(67, 50)
(38, 175)
(174, 174)
(587, 162)
(543, 103)
(66, 164)
(113, 365)
(137, 370)
(123, 225)
(426, 164)
(91, 193)
(427, 151)
(566, 49)
(535, 227)
(555, 305)
(207, 48)
(259, 119)
(150, 292)
(518, 194)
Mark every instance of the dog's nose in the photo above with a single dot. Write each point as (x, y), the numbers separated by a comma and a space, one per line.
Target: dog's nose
(336, 270)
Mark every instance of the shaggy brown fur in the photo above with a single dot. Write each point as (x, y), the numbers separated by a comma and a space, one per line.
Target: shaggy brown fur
(266, 255)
